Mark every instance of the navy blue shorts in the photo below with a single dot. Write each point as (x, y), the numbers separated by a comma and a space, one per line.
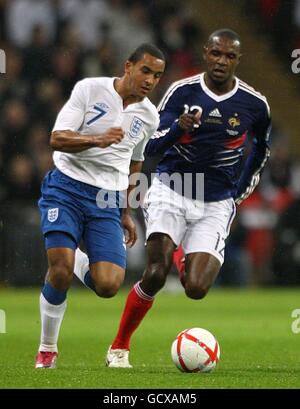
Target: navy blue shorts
(69, 210)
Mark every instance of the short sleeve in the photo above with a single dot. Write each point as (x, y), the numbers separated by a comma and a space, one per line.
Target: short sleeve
(71, 116)
(138, 151)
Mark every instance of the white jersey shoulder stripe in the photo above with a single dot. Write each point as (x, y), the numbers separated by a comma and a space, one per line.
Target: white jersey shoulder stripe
(174, 87)
(246, 86)
(257, 95)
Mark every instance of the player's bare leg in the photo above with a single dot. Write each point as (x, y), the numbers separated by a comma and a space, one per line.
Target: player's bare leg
(61, 266)
(53, 303)
(160, 250)
(201, 270)
(104, 278)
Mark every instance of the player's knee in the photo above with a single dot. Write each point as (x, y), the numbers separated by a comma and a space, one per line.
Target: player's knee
(195, 290)
(60, 275)
(107, 289)
(157, 274)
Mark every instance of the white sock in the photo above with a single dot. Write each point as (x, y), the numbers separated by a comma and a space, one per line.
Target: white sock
(51, 317)
(82, 265)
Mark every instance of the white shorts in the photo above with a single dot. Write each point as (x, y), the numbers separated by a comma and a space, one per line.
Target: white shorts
(199, 226)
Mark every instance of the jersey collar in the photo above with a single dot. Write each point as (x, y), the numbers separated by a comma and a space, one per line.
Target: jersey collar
(118, 96)
(113, 89)
(214, 96)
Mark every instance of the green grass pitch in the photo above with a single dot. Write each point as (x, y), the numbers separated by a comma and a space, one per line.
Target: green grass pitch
(258, 346)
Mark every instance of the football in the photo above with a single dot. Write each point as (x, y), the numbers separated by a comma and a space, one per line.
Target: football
(195, 350)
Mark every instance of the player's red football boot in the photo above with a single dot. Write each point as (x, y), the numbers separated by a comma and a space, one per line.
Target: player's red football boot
(46, 360)
(179, 261)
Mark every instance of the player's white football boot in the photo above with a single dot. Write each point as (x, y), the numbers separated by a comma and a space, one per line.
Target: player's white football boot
(46, 359)
(117, 358)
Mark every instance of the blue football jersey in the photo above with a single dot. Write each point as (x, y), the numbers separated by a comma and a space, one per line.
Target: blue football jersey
(216, 147)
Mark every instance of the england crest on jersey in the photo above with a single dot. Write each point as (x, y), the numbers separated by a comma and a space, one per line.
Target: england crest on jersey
(136, 127)
(53, 214)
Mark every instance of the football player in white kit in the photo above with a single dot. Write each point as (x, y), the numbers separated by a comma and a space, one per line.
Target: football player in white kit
(98, 140)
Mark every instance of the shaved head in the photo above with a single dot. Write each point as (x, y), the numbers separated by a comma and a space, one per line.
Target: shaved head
(224, 33)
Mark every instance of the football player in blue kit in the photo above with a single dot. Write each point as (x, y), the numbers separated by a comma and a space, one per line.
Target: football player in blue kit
(204, 123)
(98, 139)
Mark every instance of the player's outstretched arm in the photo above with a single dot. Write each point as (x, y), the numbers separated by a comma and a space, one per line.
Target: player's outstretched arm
(73, 142)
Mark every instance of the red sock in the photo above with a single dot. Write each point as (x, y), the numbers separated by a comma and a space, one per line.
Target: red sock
(179, 261)
(137, 305)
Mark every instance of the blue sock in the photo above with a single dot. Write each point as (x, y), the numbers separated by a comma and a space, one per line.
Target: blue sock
(88, 281)
(52, 295)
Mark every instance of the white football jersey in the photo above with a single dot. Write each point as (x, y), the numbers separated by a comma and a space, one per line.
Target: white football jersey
(95, 106)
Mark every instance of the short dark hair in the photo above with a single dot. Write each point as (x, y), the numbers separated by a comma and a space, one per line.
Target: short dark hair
(224, 32)
(146, 48)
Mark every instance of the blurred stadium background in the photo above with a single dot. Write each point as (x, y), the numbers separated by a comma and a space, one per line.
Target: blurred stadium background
(51, 44)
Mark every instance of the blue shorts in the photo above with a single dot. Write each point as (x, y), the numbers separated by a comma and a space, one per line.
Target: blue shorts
(69, 214)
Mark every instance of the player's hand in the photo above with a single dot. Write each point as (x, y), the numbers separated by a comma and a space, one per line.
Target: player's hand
(112, 135)
(188, 122)
(130, 229)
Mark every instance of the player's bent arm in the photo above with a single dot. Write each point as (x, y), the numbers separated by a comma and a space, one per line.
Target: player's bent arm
(175, 120)
(165, 136)
(70, 142)
(163, 139)
(256, 161)
(73, 142)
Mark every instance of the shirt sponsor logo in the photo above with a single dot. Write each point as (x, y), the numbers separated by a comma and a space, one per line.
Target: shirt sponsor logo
(53, 214)
(215, 113)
